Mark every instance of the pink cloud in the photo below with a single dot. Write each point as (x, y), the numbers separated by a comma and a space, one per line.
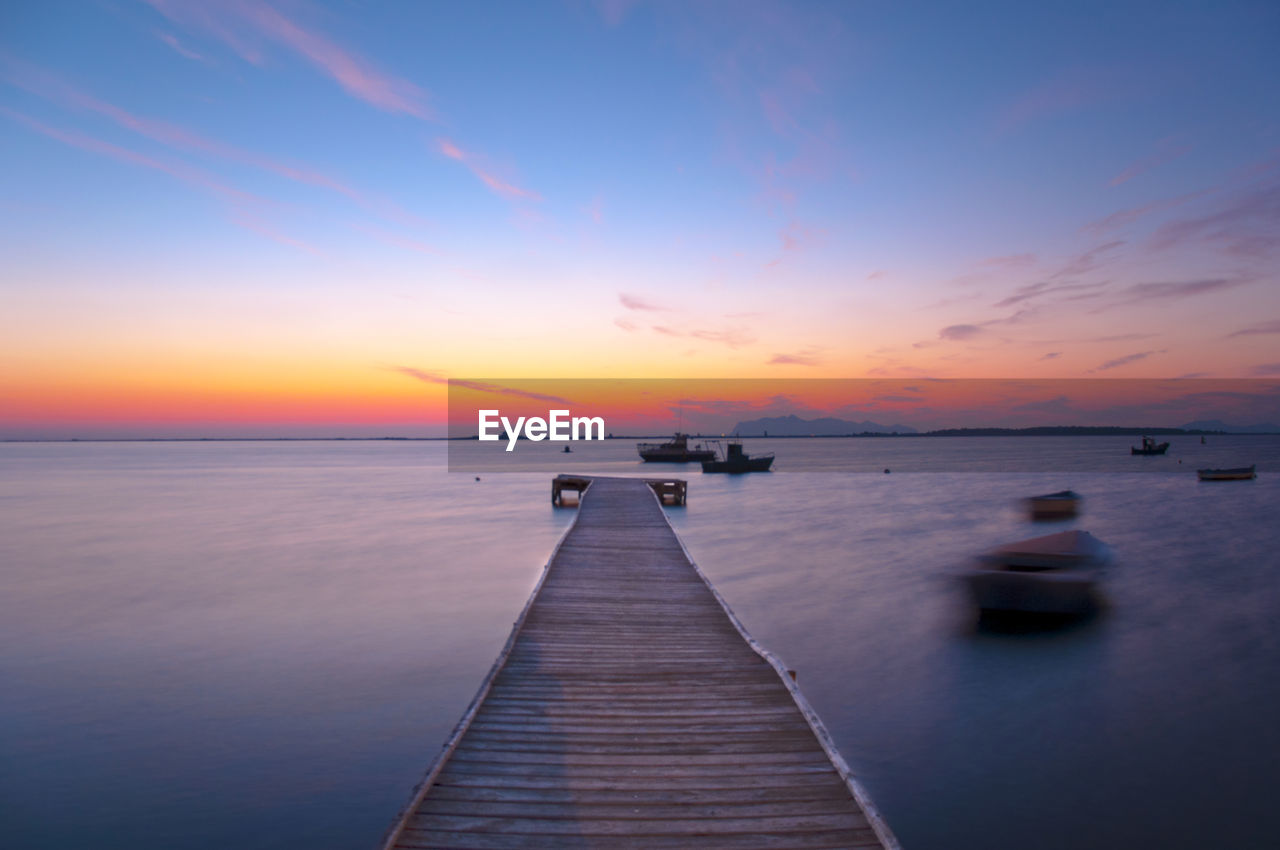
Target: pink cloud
(47, 85)
(1069, 91)
(613, 11)
(395, 239)
(1162, 156)
(256, 225)
(1129, 216)
(793, 360)
(178, 47)
(205, 17)
(185, 173)
(473, 162)
(1011, 261)
(959, 332)
(634, 302)
(242, 203)
(226, 21)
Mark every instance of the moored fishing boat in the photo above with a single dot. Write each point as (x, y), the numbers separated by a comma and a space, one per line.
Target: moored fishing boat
(1239, 473)
(675, 450)
(1054, 574)
(736, 460)
(1149, 447)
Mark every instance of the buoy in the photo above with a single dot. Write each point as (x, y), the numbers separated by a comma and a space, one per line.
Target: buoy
(886, 472)
(477, 477)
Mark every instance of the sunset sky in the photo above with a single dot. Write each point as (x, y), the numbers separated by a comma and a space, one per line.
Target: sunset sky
(246, 217)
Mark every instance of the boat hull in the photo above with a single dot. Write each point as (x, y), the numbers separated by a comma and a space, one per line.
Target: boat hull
(1065, 592)
(1054, 574)
(664, 456)
(1064, 505)
(1240, 474)
(755, 464)
(1158, 450)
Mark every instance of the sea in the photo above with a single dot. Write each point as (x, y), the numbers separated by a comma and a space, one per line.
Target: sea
(262, 645)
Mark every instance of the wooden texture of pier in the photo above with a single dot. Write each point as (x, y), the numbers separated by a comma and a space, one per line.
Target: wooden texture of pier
(630, 710)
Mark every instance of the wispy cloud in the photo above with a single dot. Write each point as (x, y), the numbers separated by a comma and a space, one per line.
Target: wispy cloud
(1128, 216)
(1044, 288)
(53, 88)
(1271, 327)
(1265, 369)
(1088, 260)
(731, 337)
(960, 332)
(1126, 360)
(408, 243)
(802, 359)
(1164, 154)
(1182, 289)
(1052, 355)
(613, 12)
(1009, 261)
(635, 302)
(227, 20)
(1247, 224)
(626, 324)
(244, 207)
(178, 47)
(475, 163)
(479, 386)
(186, 173)
(1069, 91)
(255, 224)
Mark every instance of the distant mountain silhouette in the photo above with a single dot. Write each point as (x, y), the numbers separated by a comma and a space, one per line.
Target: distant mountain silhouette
(794, 426)
(1219, 425)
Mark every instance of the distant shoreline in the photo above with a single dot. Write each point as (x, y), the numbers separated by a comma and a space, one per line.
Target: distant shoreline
(1041, 431)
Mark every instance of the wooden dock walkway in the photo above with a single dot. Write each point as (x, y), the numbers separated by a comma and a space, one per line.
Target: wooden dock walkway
(630, 710)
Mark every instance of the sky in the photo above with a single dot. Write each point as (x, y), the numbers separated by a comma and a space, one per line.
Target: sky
(289, 217)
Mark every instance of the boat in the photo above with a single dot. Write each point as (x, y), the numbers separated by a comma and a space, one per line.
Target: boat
(1149, 447)
(1061, 505)
(675, 450)
(1054, 574)
(1240, 473)
(567, 450)
(736, 460)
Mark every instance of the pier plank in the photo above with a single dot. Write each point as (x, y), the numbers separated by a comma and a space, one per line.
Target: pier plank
(630, 710)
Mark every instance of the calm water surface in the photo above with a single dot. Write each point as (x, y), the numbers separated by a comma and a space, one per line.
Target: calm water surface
(262, 645)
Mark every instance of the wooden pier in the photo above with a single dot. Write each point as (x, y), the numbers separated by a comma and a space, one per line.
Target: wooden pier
(629, 709)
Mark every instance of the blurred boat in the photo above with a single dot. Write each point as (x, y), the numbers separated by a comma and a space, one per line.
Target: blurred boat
(675, 450)
(1054, 574)
(1061, 505)
(1240, 473)
(735, 460)
(1149, 447)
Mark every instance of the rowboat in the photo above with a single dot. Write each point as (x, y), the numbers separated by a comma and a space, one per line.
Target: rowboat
(1054, 574)
(1061, 505)
(1240, 473)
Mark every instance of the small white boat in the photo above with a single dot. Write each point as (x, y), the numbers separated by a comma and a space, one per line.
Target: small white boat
(1054, 574)
(1240, 473)
(1061, 505)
